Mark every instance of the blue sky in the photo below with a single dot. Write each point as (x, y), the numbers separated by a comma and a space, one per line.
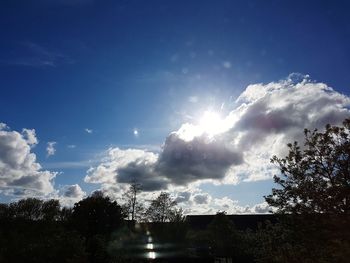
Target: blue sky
(114, 67)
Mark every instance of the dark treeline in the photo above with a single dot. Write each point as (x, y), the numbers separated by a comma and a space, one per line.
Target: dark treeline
(311, 205)
(33, 230)
(95, 230)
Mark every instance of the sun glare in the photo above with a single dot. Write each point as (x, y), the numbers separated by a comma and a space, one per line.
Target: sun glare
(211, 123)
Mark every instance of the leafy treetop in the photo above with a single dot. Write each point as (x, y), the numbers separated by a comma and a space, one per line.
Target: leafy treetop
(315, 179)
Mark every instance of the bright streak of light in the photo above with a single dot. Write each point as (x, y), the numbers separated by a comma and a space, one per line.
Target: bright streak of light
(152, 255)
(150, 246)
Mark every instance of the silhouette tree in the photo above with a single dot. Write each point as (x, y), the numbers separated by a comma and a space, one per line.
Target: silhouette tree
(65, 214)
(96, 218)
(32, 209)
(133, 207)
(162, 209)
(313, 199)
(31, 230)
(27, 209)
(51, 210)
(315, 179)
(96, 214)
(224, 239)
(4, 211)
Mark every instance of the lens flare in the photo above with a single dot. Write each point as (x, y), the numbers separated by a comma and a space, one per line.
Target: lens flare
(152, 255)
(150, 246)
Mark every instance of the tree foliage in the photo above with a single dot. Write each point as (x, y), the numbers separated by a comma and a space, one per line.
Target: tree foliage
(313, 200)
(31, 209)
(133, 207)
(315, 178)
(225, 239)
(34, 230)
(96, 214)
(163, 209)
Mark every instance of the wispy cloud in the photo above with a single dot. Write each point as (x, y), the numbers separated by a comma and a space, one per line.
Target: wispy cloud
(70, 164)
(145, 147)
(31, 54)
(88, 130)
(50, 148)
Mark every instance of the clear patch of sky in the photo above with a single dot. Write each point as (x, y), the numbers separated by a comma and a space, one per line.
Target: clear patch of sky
(247, 193)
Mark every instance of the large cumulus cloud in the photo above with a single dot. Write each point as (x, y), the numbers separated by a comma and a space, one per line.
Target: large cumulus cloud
(265, 118)
(201, 158)
(286, 108)
(179, 163)
(20, 173)
(126, 166)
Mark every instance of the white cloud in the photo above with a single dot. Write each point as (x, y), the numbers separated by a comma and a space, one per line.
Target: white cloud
(73, 191)
(201, 198)
(266, 118)
(71, 146)
(3, 126)
(20, 173)
(183, 196)
(50, 149)
(262, 208)
(124, 166)
(88, 130)
(203, 203)
(70, 194)
(30, 136)
(39, 56)
(191, 199)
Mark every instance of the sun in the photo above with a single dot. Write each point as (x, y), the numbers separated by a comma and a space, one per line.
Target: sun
(211, 123)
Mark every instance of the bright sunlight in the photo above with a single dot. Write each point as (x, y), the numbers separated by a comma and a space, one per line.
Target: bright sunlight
(211, 123)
